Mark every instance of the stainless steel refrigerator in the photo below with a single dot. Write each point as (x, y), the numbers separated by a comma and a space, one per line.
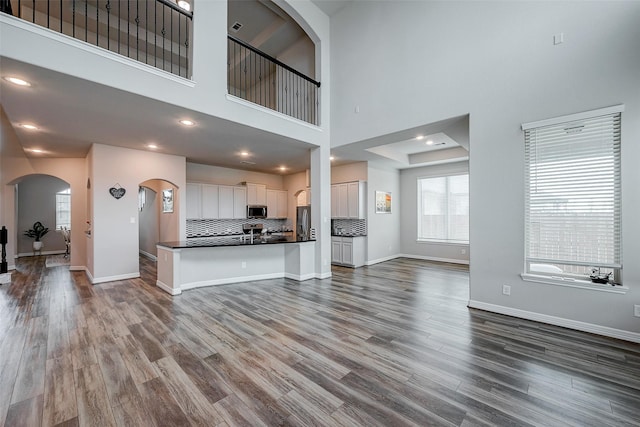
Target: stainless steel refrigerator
(303, 223)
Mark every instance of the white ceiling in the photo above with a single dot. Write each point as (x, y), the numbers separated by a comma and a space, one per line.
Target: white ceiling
(72, 114)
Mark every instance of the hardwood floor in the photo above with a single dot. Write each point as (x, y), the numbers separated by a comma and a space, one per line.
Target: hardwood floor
(388, 345)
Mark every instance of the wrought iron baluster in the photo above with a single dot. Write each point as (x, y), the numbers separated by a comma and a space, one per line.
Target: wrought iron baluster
(146, 32)
(108, 7)
(119, 19)
(97, 22)
(137, 29)
(163, 38)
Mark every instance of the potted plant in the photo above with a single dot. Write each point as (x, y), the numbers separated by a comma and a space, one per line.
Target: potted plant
(37, 232)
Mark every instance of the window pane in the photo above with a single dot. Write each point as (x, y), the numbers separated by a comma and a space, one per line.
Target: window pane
(444, 209)
(63, 209)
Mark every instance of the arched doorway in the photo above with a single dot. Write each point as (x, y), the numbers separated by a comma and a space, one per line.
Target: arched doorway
(43, 202)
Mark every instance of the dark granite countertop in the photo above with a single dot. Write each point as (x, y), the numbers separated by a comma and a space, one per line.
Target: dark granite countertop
(213, 242)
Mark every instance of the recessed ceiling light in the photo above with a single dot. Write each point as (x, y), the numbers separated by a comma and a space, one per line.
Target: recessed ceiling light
(17, 81)
(331, 158)
(152, 146)
(419, 137)
(244, 153)
(282, 168)
(185, 5)
(187, 122)
(35, 150)
(28, 126)
(429, 142)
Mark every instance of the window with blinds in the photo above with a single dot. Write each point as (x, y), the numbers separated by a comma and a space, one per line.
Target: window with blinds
(63, 209)
(573, 195)
(444, 209)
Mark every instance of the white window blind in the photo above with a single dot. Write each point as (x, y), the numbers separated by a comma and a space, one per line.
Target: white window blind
(444, 209)
(573, 196)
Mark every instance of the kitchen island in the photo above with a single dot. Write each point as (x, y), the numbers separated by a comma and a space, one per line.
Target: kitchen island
(213, 261)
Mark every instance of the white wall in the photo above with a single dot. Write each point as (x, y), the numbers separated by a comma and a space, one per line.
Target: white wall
(226, 176)
(383, 230)
(350, 172)
(409, 214)
(496, 61)
(115, 221)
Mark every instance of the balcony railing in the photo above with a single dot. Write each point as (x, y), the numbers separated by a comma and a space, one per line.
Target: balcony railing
(259, 78)
(155, 32)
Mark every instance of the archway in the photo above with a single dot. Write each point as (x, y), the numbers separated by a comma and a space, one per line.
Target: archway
(45, 199)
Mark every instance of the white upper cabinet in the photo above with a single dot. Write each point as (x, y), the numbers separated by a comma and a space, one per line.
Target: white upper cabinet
(194, 201)
(277, 204)
(240, 202)
(256, 194)
(225, 202)
(348, 200)
(210, 201)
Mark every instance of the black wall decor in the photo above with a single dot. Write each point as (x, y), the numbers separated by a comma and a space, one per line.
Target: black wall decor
(116, 191)
(3, 242)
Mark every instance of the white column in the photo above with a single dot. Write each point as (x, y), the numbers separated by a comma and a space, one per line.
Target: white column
(321, 208)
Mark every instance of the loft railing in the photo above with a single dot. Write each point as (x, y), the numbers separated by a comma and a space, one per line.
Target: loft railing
(259, 78)
(155, 32)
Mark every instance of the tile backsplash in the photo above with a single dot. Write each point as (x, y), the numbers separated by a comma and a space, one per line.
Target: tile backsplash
(351, 227)
(213, 227)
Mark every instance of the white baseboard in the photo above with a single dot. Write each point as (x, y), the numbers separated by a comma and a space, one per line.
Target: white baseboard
(11, 267)
(558, 321)
(97, 280)
(300, 278)
(323, 275)
(148, 255)
(78, 268)
(379, 260)
(89, 275)
(168, 289)
(431, 258)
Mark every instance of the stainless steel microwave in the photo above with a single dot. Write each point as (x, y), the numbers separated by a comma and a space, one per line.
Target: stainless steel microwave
(256, 211)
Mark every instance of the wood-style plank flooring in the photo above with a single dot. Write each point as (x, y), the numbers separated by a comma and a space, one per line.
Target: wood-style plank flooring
(388, 345)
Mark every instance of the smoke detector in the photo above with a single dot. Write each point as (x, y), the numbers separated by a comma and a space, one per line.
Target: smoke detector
(235, 27)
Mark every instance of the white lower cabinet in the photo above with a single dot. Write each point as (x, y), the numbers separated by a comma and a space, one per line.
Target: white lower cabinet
(348, 251)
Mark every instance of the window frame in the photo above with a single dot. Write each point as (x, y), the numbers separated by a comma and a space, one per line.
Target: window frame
(448, 240)
(565, 278)
(67, 195)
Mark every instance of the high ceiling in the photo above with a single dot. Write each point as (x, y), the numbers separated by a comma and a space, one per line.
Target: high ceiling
(71, 114)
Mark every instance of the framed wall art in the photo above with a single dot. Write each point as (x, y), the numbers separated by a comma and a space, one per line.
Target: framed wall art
(167, 200)
(383, 202)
